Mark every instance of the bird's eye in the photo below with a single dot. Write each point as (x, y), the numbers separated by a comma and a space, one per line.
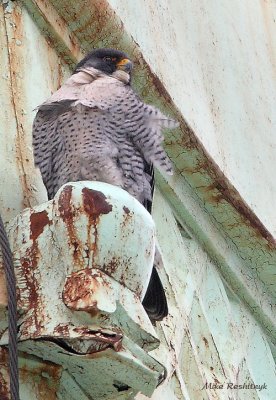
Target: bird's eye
(109, 58)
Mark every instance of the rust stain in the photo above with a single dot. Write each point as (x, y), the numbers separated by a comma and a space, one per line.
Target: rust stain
(205, 341)
(62, 329)
(4, 374)
(108, 340)
(111, 267)
(38, 220)
(15, 34)
(127, 217)
(69, 52)
(3, 286)
(60, 75)
(95, 205)
(68, 213)
(29, 295)
(229, 194)
(126, 210)
(45, 379)
(78, 291)
(64, 205)
(29, 264)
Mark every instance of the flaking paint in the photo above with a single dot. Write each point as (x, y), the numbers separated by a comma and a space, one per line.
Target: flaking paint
(240, 247)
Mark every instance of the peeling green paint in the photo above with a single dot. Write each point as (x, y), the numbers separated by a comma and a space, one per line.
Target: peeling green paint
(219, 274)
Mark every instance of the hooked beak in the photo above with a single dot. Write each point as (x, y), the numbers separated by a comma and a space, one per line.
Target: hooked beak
(125, 64)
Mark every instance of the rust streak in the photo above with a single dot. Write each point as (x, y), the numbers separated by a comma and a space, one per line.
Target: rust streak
(29, 265)
(4, 374)
(65, 204)
(67, 213)
(232, 196)
(95, 205)
(16, 89)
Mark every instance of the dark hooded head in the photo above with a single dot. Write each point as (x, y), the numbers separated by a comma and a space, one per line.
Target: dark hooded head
(106, 60)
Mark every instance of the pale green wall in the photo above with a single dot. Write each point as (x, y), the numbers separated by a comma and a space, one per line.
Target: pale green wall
(217, 59)
(221, 323)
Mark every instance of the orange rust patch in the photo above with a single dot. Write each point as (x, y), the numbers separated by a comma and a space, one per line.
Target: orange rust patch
(95, 203)
(37, 223)
(78, 291)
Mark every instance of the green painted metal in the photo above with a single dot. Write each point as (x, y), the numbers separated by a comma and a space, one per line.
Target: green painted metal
(83, 263)
(219, 259)
(194, 166)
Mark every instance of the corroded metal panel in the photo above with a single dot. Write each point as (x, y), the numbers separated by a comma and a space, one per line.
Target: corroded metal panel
(252, 239)
(95, 244)
(219, 259)
(218, 62)
(30, 70)
(212, 336)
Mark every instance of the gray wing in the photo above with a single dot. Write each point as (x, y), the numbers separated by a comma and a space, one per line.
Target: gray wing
(140, 142)
(47, 143)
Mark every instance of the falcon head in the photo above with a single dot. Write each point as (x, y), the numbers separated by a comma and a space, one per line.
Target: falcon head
(107, 61)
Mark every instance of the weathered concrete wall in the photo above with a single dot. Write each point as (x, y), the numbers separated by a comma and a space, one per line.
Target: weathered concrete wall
(217, 60)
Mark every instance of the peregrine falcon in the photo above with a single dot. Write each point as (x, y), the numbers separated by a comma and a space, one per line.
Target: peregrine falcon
(95, 127)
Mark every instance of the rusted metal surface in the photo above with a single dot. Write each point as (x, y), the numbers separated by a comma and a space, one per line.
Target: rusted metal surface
(39, 380)
(217, 81)
(21, 92)
(4, 375)
(99, 21)
(209, 335)
(99, 268)
(81, 227)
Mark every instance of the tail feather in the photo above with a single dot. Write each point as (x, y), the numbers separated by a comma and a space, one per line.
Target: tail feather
(155, 302)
